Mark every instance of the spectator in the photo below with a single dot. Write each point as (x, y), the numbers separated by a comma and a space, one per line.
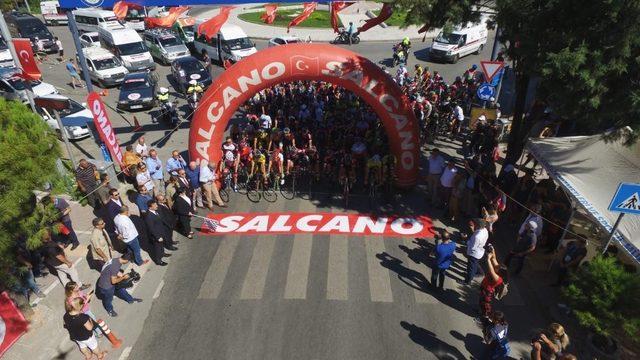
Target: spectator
(60, 49)
(127, 232)
(142, 198)
(183, 210)
(175, 163)
(154, 164)
(525, 245)
(73, 72)
(172, 187)
(168, 218)
(131, 159)
(55, 258)
(534, 216)
(457, 194)
(508, 180)
(495, 335)
(570, 258)
(141, 148)
(475, 247)
(490, 216)
(25, 273)
(446, 182)
(103, 190)
(86, 179)
(210, 189)
(158, 232)
(495, 278)
(143, 177)
(193, 175)
(71, 292)
(80, 327)
(443, 258)
(110, 276)
(552, 343)
(101, 245)
(64, 209)
(436, 166)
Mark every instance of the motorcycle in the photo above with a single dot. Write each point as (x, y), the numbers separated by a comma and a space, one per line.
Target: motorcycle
(169, 113)
(400, 54)
(193, 100)
(343, 37)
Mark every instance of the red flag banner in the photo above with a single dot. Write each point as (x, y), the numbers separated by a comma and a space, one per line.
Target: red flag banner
(168, 20)
(12, 323)
(336, 6)
(317, 223)
(269, 13)
(27, 60)
(385, 13)
(103, 125)
(309, 8)
(211, 27)
(120, 9)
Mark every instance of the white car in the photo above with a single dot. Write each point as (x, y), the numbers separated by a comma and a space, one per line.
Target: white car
(284, 40)
(74, 119)
(90, 39)
(13, 87)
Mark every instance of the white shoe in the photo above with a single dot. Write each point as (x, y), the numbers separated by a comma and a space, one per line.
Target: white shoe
(281, 181)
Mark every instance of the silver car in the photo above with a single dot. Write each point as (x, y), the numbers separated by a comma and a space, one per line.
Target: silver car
(165, 46)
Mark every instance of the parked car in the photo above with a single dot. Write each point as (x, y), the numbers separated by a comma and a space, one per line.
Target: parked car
(23, 25)
(137, 92)
(189, 68)
(90, 39)
(6, 60)
(164, 45)
(284, 40)
(75, 118)
(13, 87)
(104, 67)
(231, 43)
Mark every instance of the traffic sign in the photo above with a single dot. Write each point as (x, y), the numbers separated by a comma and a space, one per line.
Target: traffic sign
(490, 69)
(486, 92)
(627, 199)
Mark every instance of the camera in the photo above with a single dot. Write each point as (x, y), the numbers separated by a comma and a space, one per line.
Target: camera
(489, 248)
(134, 277)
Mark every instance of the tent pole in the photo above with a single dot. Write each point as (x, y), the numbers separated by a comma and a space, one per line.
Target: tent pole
(613, 232)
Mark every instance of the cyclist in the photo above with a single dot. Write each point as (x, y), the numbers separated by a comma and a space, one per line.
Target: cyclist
(374, 165)
(261, 140)
(258, 163)
(231, 160)
(347, 169)
(389, 168)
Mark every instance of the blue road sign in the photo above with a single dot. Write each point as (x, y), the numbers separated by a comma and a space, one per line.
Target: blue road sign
(496, 78)
(486, 92)
(627, 199)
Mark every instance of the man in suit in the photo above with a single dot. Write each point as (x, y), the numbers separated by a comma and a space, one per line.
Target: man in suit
(157, 232)
(111, 210)
(167, 217)
(183, 209)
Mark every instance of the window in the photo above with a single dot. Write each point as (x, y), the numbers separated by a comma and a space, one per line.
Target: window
(4, 87)
(279, 41)
(463, 40)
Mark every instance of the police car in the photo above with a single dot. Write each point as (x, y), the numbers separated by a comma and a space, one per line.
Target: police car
(137, 92)
(165, 46)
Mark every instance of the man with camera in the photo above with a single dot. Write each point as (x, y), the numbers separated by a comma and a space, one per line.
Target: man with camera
(113, 281)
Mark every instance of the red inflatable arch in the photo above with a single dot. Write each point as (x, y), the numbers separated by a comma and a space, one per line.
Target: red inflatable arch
(294, 62)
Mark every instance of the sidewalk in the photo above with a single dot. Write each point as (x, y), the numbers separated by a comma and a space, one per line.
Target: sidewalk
(355, 13)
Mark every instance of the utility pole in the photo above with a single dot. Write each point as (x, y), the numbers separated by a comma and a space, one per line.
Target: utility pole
(63, 134)
(76, 40)
(7, 37)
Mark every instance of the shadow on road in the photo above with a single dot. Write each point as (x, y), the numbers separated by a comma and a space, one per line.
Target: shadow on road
(431, 343)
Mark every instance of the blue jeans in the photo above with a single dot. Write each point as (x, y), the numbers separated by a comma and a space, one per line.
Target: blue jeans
(472, 268)
(72, 234)
(134, 246)
(107, 297)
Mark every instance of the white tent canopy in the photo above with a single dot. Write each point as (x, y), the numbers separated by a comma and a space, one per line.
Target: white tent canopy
(590, 169)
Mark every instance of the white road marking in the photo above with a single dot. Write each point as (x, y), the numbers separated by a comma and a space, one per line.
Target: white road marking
(256, 277)
(214, 278)
(125, 353)
(156, 294)
(379, 279)
(52, 286)
(298, 273)
(421, 296)
(338, 268)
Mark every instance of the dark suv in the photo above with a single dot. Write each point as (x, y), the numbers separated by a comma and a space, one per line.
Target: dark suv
(23, 25)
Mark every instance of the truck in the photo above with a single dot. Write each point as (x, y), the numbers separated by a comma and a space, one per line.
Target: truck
(52, 13)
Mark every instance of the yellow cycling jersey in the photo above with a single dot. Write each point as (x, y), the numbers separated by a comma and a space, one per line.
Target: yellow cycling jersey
(374, 163)
(260, 159)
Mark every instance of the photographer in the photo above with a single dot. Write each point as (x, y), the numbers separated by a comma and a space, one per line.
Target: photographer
(112, 282)
(495, 336)
(550, 344)
(494, 280)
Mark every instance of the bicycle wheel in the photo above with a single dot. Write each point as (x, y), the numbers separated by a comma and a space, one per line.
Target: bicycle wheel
(270, 195)
(345, 193)
(288, 191)
(224, 195)
(253, 190)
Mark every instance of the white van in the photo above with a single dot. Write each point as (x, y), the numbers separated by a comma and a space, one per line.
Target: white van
(127, 45)
(52, 13)
(231, 43)
(91, 19)
(104, 67)
(460, 42)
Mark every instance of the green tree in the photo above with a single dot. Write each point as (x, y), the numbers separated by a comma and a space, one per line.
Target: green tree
(586, 56)
(28, 153)
(604, 298)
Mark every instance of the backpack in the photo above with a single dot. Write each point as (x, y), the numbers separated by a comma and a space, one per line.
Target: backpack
(501, 291)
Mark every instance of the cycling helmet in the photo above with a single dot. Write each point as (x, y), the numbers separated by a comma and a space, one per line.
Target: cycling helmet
(164, 90)
(287, 130)
(417, 66)
(458, 79)
(474, 66)
(193, 82)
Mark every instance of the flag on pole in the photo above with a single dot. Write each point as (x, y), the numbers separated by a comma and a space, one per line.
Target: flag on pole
(30, 70)
(211, 27)
(385, 13)
(168, 20)
(269, 13)
(12, 323)
(336, 6)
(120, 9)
(309, 8)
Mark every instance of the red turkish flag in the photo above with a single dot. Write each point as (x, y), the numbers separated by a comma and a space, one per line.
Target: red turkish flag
(121, 8)
(308, 9)
(336, 6)
(12, 323)
(305, 65)
(27, 61)
(269, 13)
(168, 20)
(211, 27)
(385, 13)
